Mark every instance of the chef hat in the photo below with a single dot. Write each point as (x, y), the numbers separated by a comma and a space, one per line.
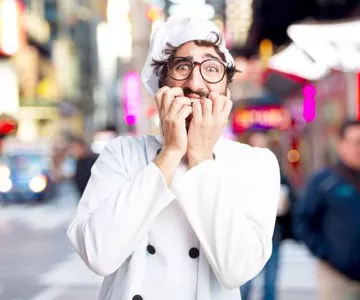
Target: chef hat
(177, 31)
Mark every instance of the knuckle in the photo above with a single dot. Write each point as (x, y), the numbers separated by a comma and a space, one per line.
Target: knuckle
(167, 93)
(178, 90)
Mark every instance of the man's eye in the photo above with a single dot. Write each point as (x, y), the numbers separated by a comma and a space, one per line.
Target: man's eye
(183, 68)
(212, 70)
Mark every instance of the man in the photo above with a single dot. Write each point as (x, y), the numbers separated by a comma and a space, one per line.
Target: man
(328, 220)
(185, 215)
(85, 159)
(283, 226)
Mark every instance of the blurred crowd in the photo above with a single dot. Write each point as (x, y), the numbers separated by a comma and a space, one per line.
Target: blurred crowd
(324, 216)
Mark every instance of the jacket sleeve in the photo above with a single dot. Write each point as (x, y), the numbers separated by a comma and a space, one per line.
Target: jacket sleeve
(233, 211)
(117, 209)
(309, 214)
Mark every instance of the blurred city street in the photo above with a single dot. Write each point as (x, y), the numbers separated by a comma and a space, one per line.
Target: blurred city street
(37, 261)
(77, 74)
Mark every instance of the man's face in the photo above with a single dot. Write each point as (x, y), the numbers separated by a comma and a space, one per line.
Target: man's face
(195, 83)
(349, 147)
(258, 139)
(76, 150)
(195, 86)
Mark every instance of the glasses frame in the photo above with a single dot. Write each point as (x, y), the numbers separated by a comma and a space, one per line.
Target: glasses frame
(194, 64)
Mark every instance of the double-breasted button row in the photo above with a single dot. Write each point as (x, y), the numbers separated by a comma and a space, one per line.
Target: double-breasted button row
(193, 252)
(151, 249)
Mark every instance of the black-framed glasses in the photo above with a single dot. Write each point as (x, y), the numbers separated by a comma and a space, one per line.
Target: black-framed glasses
(212, 70)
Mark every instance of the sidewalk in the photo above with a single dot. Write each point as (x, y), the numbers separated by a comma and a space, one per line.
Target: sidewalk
(297, 275)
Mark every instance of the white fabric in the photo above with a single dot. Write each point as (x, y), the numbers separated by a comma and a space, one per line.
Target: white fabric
(177, 31)
(226, 207)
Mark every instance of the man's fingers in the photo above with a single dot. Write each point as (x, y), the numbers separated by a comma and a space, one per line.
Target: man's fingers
(184, 112)
(159, 96)
(207, 106)
(176, 104)
(197, 111)
(168, 97)
(217, 102)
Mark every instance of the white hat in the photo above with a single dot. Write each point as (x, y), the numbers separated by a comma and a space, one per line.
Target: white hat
(177, 31)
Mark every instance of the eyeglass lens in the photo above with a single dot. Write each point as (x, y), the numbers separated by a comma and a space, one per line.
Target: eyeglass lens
(211, 70)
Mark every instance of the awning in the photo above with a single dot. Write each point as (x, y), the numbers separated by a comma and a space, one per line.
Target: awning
(331, 45)
(318, 48)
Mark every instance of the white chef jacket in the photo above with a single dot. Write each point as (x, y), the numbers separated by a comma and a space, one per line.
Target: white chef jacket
(199, 239)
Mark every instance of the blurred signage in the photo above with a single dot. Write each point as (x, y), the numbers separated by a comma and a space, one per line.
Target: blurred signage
(269, 117)
(11, 34)
(132, 95)
(309, 103)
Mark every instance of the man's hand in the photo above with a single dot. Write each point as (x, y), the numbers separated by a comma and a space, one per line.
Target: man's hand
(173, 109)
(209, 119)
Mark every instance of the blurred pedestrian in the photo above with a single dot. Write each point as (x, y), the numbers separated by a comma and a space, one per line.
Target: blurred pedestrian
(85, 159)
(58, 155)
(283, 226)
(329, 219)
(165, 217)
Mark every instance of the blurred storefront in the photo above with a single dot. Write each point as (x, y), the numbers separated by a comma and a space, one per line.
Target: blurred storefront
(32, 88)
(274, 120)
(324, 63)
(316, 111)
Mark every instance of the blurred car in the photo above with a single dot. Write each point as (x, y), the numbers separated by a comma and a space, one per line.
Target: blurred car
(25, 177)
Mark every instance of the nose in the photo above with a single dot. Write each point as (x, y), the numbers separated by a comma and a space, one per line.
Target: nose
(195, 82)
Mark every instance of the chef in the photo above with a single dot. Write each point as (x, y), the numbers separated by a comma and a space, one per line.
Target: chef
(185, 215)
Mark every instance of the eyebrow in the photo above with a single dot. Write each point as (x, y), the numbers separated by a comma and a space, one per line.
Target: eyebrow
(206, 55)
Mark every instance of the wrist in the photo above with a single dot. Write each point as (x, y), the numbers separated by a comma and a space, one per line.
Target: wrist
(196, 158)
(168, 158)
(171, 154)
(167, 162)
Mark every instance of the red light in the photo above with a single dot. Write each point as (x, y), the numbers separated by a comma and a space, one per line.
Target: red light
(7, 127)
